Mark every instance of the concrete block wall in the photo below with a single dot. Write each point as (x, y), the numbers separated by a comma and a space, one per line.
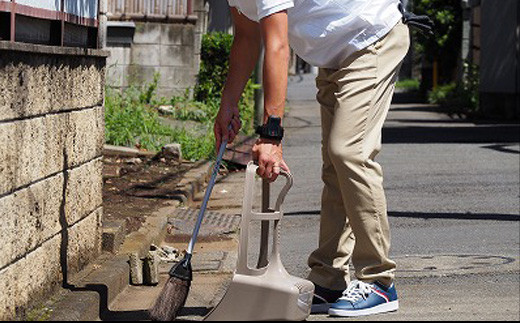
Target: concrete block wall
(51, 140)
(171, 49)
(164, 48)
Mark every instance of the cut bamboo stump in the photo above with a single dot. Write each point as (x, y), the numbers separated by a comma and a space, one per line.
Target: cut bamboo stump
(136, 269)
(151, 268)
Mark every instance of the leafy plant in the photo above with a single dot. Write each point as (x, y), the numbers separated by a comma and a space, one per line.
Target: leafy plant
(443, 94)
(148, 93)
(215, 51)
(214, 66)
(460, 98)
(408, 84)
(445, 45)
(132, 118)
(130, 121)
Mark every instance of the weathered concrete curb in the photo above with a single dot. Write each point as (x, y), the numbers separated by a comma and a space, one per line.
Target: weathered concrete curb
(87, 299)
(193, 182)
(113, 235)
(90, 295)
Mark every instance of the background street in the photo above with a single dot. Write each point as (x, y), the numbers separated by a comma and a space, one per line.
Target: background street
(453, 199)
(107, 111)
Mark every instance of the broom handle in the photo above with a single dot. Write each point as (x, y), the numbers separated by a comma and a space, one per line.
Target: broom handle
(206, 197)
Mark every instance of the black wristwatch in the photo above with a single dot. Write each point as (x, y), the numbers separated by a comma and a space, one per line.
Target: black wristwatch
(272, 129)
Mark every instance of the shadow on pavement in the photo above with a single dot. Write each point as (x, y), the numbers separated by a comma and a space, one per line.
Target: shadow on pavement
(405, 97)
(127, 316)
(424, 215)
(195, 311)
(458, 216)
(502, 148)
(417, 107)
(105, 314)
(458, 134)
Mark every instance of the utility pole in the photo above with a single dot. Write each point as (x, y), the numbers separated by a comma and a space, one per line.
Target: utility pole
(102, 24)
(259, 93)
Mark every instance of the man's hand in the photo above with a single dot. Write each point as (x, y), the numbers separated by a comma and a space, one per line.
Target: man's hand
(227, 125)
(268, 154)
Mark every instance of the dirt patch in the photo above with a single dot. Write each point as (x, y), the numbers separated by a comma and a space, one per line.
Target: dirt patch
(134, 188)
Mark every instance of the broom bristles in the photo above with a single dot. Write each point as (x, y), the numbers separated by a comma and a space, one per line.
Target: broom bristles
(171, 300)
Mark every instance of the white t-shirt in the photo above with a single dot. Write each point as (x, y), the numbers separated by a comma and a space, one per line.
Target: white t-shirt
(325, 32)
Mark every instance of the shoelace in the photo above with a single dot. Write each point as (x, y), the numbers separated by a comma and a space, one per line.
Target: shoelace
(357, 290)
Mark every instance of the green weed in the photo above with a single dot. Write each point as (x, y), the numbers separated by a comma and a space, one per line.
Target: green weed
(132, 118)
(408, 84)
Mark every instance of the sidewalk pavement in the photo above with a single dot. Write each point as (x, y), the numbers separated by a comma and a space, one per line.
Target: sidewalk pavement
(102, 291)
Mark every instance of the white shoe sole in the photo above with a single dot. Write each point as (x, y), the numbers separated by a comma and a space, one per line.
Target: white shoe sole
(382, 308)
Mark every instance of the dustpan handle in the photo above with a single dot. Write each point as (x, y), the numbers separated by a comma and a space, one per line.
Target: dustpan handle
(267, 213)
(247, 210)
(265, 216)
(264, 230)
(283, 193)
(248, 196)
(274, 259)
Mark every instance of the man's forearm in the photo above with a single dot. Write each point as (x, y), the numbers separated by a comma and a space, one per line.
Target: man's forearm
(275, 81)
(243, 58)
(276, 63)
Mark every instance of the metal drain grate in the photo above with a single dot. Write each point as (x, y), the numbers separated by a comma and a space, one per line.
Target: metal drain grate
(214, 223)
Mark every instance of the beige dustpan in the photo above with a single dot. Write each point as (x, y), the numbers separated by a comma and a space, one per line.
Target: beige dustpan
(267, 292)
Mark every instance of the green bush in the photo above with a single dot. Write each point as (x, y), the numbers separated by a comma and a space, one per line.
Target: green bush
(214, 67)
(130, 120)
(460, 98)
(445, 45)
(443, 94)
(408, 84)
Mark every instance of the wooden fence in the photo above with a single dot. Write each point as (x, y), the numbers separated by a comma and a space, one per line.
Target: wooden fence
(149, 9)
(57, 23)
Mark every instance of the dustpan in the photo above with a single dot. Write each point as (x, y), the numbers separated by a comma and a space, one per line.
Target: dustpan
(265, 292)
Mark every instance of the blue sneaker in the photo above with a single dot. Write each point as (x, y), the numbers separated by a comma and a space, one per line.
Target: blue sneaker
(323, 299)
(364, 299)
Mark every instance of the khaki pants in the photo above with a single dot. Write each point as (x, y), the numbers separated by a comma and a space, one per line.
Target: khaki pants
(354, 103)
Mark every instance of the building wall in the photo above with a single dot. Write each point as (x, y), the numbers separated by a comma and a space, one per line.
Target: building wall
(219, 16)
(171, 49)
(167, 49)
(51, 139)
(499, 57)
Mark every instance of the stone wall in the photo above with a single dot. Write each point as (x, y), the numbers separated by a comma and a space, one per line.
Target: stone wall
(171, 49)
(166, 49)
(499, 58)
(51, 139)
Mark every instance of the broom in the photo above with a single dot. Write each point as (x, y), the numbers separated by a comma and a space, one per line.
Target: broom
(174, 294)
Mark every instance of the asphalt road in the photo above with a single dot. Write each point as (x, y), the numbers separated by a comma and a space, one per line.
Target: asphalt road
(453, 191)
